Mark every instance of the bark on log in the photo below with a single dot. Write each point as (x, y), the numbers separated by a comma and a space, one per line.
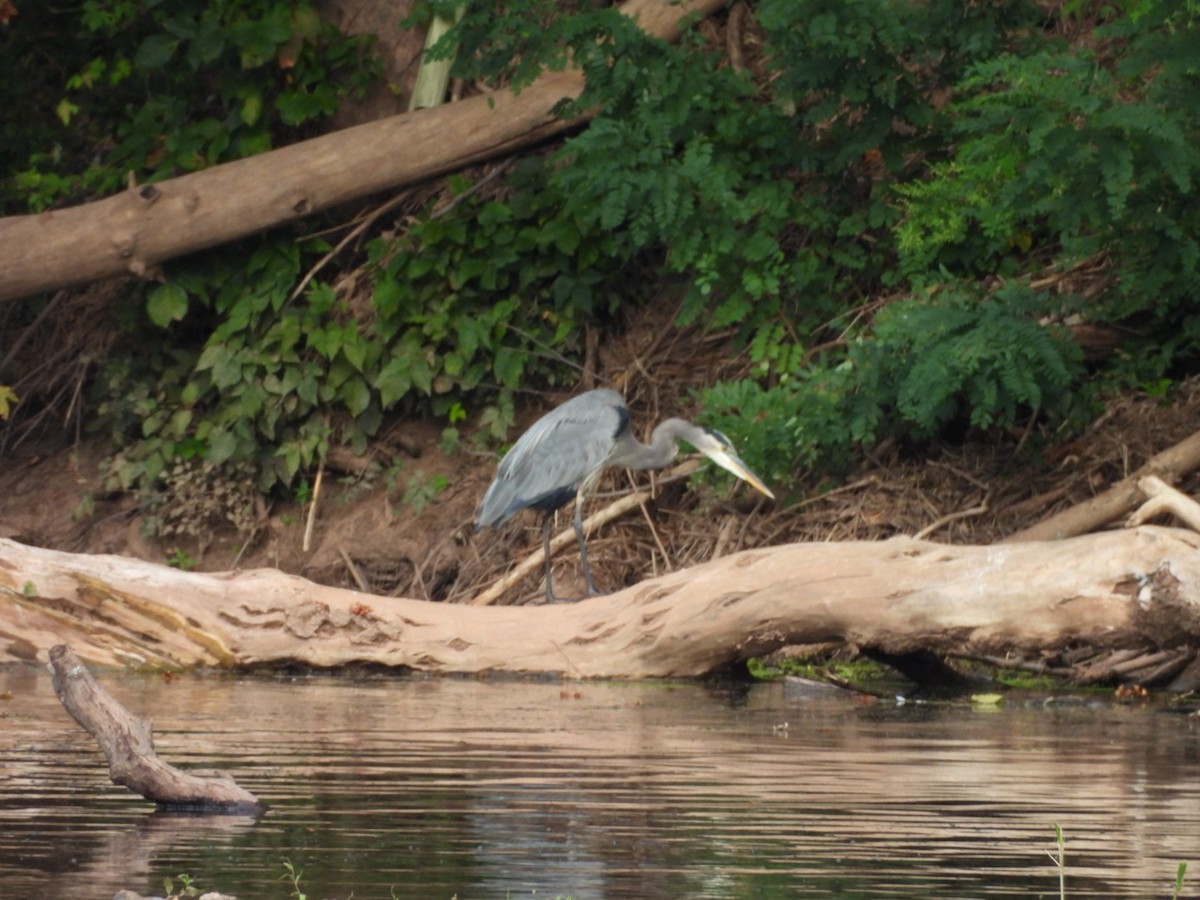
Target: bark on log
(129, 746)
(1133, 588)
(138, 229)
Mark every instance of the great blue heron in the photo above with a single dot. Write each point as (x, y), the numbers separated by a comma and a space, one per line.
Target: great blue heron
(563, 453)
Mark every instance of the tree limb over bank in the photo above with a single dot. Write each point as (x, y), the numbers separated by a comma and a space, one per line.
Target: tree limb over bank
(1129, 588)
(135, 231)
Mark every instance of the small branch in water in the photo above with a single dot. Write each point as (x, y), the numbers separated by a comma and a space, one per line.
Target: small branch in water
(129, 746)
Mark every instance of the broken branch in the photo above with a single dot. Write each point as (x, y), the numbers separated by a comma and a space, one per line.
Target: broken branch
(128, 744)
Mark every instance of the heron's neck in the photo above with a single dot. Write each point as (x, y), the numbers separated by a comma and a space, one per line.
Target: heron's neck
(663, 446)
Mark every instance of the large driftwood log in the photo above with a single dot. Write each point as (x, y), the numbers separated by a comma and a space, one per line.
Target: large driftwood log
(129, 746)
(1131, 588)
(140, 228)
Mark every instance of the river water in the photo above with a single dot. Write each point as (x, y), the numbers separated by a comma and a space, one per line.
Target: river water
(383, 786)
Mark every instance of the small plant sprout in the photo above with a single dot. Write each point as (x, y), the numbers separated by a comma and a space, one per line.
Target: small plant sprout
(84, 508)
(423, 490)
(187, 887)
(7, 401)
(1179, 880)
(293, 875)
(180, 559)
(1060, 861)
(450, 441)
(303, 492)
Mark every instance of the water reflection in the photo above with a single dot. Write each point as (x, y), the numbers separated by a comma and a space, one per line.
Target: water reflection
(441, 788)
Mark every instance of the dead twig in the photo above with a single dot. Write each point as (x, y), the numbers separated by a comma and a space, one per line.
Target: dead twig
(650, 522)
(353, 570)
(1037, 667)
(1164, 500)
(312, 508)
(952, 517)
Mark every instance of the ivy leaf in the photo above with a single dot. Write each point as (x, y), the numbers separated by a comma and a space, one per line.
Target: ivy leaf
(167, 303)
(251, 110)
(65, 111)
(7, 401)
(394, 381)
(508, 366)
(207, 45)
(155, 51)
(356, 395)
(422, 374)
(226, 370)
(298, 107)
(221, 446)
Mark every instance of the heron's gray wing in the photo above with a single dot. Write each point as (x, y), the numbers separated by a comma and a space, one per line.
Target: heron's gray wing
(546, 465)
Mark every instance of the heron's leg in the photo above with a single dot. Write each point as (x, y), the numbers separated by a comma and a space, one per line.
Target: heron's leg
(546, 523)
(587, 569)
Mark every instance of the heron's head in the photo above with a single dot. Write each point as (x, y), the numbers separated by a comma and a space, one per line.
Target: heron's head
(720, 450)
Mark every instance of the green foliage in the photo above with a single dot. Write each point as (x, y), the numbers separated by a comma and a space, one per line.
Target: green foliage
(423, 490)
(482, 295)
(685, 163)
(292, 876)
(1050, 156)
(8, 400)
(1064, 157)
(956, 355)
(187, 887)
(488, 295)
(858, 671)
(180, 559)
(868, 216)
(160, 88)
(258, 388)
(512, 43)
(927, 363)
(865, 76)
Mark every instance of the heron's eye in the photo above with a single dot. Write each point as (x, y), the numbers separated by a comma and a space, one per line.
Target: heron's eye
(720, 438)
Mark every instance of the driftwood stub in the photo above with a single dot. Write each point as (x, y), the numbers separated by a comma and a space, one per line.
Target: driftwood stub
(128, 744)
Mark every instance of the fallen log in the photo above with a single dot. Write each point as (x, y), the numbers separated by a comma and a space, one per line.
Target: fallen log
(1119, 500)
(145, 225)
(128, 744)
(1134, 588)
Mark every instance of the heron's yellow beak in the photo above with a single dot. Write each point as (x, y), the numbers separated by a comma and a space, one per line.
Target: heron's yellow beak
(731, 462)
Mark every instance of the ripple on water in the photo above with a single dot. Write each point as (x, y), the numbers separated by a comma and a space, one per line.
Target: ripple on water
(436, 788)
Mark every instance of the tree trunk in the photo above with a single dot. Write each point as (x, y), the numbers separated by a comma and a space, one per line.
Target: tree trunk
(140, 228)
(1134, 588)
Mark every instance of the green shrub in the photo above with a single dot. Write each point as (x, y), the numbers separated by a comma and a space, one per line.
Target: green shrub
(867, 209)
(160, 88)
